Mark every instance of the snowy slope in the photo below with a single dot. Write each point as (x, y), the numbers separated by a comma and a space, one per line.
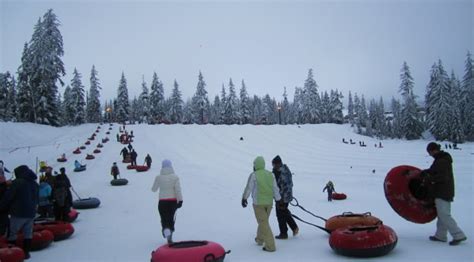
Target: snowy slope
(214, 165)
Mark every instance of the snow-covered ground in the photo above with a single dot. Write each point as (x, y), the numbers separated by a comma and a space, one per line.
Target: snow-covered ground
(214, 164)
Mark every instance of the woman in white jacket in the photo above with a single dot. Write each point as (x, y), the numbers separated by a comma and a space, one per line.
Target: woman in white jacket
(170, 197)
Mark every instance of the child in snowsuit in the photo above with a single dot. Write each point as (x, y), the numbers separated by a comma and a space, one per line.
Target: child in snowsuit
(170, 197)
(148, 160)
(114, 171)
(45, 207)
(330, 188)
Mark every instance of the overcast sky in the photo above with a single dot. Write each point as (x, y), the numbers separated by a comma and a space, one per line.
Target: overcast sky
(351, 45)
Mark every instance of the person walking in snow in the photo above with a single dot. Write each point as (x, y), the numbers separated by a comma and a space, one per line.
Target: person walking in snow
(285, 184)
(262, 186)
(148, 160)
(124, 153)
(114, 171)
(21, 199)
(440, 177)
(170, 198)
(62, 196)
(133, 156)
(45, 207)
(330, 188)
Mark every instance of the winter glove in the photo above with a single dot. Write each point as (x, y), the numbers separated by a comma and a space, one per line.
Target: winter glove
(180, 204)
(244, 203)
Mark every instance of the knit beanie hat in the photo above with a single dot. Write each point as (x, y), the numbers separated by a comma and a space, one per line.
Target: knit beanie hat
(166, 163)
(433, 146)
(276, 160)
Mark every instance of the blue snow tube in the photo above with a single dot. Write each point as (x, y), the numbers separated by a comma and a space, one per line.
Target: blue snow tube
(80, 169)
(119, 182)
(86, 203)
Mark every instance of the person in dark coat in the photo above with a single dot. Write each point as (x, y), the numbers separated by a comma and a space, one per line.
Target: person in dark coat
(4, 220)
(22, 200)
(330, 188)
(148, 160)
(124, 153)
(62, 196)
(130, 147)
(49, 178)
(114, 171)
(118, 137)
(441, 180)
(285, 183)
(133, 156)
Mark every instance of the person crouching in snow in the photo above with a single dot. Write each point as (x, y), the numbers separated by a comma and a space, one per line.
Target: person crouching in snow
(170, 197)
(263, 187)
(114, 171)
(330, 188)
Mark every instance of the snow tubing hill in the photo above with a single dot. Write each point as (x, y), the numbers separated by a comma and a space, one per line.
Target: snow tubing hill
(351, 219)
(363, 241)
(86, 203)
(189, 251)
(11, 254)
(80, 169)
(41, 240)
(141, 168)
(61, 230)
(61, 160)
(338, 196)
(407, 197)
(119, 182)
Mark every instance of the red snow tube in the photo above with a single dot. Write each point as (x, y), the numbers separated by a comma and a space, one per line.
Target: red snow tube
(73, 214)
(41, 239)
(96, 151)
(11, 254)
(89, 157)
(189, 251)
(61, 230)
(87, 143)
(338, 196)
(141, 168)
(77, 151)
(407, 196)
(363, 241)
(351, 219)
(131, 167)
(127, 160)
(62, 159)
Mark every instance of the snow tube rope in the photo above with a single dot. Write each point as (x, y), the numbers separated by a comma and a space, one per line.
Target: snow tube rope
(306, 222)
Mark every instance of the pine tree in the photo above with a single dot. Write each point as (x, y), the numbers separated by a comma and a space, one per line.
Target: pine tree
(135, 110)
(12, 105)
(325, 107)
(46, 68)
(244, 105)
(143, 99)
(176, 105)
(335, 107)
(285, 108)
(93, 105)
(123, 106)
(77, 99)
(411, 125)
(397, 131)
(156, 99)
(215, 111)
(456, 128)
(311, 100)
(467, 99)
(26, 100)
(268, 110)
(257, 110)
(68, 108)
(200, 102)
(350, 110)
(231, 114)
(298, 105)
(7, 83)
(223, 105)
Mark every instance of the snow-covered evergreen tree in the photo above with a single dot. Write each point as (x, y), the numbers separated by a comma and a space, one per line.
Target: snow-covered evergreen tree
(285, 108)
(93, 102)
(298, 105)
(467, 99)
(231, 112)
(335, 107)
(45, 69)
(78, 99)
(26, 100)
(215, 111)
(257, 110)
(396, 125)
(325, 108)
(350, 110)
(144, 101)
(223, 105)
(245, 114)
(68, 108)
(269, 110)
(135, 110)
(7, 102)
(411, 125)
(157, 98)
(311, 100)
(123, 106)
(12, 105)
(200, 103)
(456, 128)
(176, 105)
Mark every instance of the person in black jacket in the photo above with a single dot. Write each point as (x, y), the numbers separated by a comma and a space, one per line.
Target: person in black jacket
(441, 179)
(148, 160)
(62, 196)
(124, 153)
(4, 220)
(22, 200)
(133, 156)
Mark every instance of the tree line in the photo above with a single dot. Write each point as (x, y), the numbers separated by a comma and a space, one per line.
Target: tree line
(32, 96)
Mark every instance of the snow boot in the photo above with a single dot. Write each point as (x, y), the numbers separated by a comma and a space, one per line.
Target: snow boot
(27, 247)
(456, 242)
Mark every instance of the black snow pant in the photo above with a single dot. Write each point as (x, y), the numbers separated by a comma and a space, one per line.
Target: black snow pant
(61, 213)
(329, 195)
(4, 224)
(115, 177)
(134, 162)
(167, 209)
(284, 217)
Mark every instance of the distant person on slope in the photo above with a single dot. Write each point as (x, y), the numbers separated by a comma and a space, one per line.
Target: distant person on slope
(148, 160)
(263, 187)
(170, 197)
(124, 153)
(114, 171)
(62, 196)
(285, 184)
(330, 188)
(133, 156)
(440, 177)
(77, 165)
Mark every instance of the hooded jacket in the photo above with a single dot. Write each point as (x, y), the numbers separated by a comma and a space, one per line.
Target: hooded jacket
(440, 175)
(168, 184)
(261, 184)
(285, 182)
(22, 197)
